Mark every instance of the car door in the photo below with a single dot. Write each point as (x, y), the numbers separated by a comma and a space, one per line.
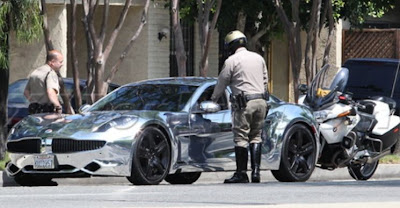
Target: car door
(213, 139)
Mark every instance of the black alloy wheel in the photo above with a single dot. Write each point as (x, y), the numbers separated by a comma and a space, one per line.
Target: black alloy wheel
(151, 158)
(183, 178)
(298, 155)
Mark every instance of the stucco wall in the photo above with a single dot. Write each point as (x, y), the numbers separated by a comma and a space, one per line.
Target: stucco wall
(134, 66)
(158, 51)
(26, 57)
(279, 68)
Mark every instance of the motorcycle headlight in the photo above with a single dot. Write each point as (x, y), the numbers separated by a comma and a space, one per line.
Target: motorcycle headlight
(121, 123)
(320, 115)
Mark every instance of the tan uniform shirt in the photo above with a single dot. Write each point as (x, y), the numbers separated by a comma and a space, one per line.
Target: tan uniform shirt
(37, 85)
(243, 71)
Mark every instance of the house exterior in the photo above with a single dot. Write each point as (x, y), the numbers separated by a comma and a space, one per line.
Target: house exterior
(149, 57)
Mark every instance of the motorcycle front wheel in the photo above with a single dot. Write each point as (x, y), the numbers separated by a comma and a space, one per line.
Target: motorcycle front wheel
(364, 171)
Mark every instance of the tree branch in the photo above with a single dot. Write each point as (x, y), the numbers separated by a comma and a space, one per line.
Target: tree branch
(117, 28)
(105, 20)
(130, 44)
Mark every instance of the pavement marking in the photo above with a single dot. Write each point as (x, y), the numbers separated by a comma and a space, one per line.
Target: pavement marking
(300, 205)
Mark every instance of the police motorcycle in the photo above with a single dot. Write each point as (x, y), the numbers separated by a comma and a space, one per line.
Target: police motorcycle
(353, 134)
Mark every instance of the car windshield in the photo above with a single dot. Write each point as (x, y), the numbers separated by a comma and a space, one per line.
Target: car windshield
(16, 92)
(159, 97)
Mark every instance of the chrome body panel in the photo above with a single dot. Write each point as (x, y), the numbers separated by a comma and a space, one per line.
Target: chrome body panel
(199, 141)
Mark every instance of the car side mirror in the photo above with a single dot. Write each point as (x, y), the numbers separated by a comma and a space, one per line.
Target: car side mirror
(209, 107)
(84, 107)
(303, 88)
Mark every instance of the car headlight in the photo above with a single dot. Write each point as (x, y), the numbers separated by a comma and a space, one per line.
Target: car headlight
(121, 123)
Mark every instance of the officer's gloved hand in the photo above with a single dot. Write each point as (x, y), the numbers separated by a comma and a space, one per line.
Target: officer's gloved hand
(59, 109)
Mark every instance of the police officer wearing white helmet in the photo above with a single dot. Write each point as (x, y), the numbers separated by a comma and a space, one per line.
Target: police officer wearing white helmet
(245, 72)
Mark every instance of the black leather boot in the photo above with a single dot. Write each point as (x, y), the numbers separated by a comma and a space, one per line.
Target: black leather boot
(240, 176)
(255, 155)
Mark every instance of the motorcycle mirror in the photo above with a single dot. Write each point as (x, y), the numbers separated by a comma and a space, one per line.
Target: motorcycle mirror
(303, 88)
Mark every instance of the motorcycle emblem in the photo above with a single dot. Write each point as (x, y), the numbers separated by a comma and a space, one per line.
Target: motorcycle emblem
(48, 131)
(334, 129)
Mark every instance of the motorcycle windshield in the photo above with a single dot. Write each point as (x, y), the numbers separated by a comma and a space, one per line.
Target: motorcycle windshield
(325, 86)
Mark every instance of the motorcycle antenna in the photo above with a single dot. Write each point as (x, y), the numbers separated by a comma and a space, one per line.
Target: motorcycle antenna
(395, 79)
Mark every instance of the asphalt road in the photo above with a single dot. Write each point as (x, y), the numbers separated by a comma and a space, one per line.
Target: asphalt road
(378, 193)
(324, 189)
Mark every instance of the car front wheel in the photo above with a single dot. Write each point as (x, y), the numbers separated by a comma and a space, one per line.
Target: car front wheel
(151, 158)
(298, 155)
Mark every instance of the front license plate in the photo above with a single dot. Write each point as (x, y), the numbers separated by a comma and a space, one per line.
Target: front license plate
(43, 162)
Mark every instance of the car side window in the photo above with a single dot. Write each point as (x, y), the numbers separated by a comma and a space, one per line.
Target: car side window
(206, 96)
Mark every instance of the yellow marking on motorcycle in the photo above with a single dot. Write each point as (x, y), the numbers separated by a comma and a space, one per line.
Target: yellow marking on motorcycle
(344, 114)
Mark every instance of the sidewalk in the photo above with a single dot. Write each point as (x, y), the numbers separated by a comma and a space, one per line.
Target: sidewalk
(384, 171)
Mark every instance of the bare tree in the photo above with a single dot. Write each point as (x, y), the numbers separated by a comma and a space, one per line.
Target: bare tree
(292, 29)
(74, 58)
(129, 45)
(101, 49)
(206, 29)
(179, 44)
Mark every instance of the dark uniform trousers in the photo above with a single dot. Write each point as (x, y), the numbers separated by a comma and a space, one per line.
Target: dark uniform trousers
(248, 122)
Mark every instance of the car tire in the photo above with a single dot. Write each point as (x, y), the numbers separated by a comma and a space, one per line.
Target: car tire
(30, 180)
(298, 155)
(151, 158)
(183, 178)
(363, 172)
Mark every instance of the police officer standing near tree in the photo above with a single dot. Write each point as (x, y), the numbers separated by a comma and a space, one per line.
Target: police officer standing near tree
(43, 87)
(246, 74)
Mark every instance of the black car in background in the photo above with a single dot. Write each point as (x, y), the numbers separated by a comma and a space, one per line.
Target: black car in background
(18, 104)
(369, 77)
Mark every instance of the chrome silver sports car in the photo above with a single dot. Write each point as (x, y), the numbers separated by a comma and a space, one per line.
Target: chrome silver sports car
(154, 130)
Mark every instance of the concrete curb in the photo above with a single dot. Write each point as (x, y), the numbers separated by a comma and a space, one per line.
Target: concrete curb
(384, 171)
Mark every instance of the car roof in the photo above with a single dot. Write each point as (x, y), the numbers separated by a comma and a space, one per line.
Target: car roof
(193, 81)
(379, 60)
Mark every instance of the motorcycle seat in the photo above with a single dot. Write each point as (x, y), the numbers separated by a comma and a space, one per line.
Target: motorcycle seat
(369, 106)
(387, 100)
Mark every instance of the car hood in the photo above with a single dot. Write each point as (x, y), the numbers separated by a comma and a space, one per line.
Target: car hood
(49, 125)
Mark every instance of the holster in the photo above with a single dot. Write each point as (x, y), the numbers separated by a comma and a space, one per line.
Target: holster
(238, 101)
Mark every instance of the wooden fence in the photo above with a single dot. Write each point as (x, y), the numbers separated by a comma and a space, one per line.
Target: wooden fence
(371, 43)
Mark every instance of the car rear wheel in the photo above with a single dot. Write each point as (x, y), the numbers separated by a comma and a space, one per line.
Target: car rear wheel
(298, 155)
(183, 178)
(151, 158)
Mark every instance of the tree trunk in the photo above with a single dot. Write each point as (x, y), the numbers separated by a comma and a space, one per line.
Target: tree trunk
(46, 32)
(74, 59)
(254, 41)
(49, 47)
(100, 56)
(90, 62)
(292, 29)
(330, 34)
(206, 33)
(310, 40)
(4, 79)
(180, 53)
(241, 21)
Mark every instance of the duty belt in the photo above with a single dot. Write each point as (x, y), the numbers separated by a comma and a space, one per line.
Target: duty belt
(255, 96)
